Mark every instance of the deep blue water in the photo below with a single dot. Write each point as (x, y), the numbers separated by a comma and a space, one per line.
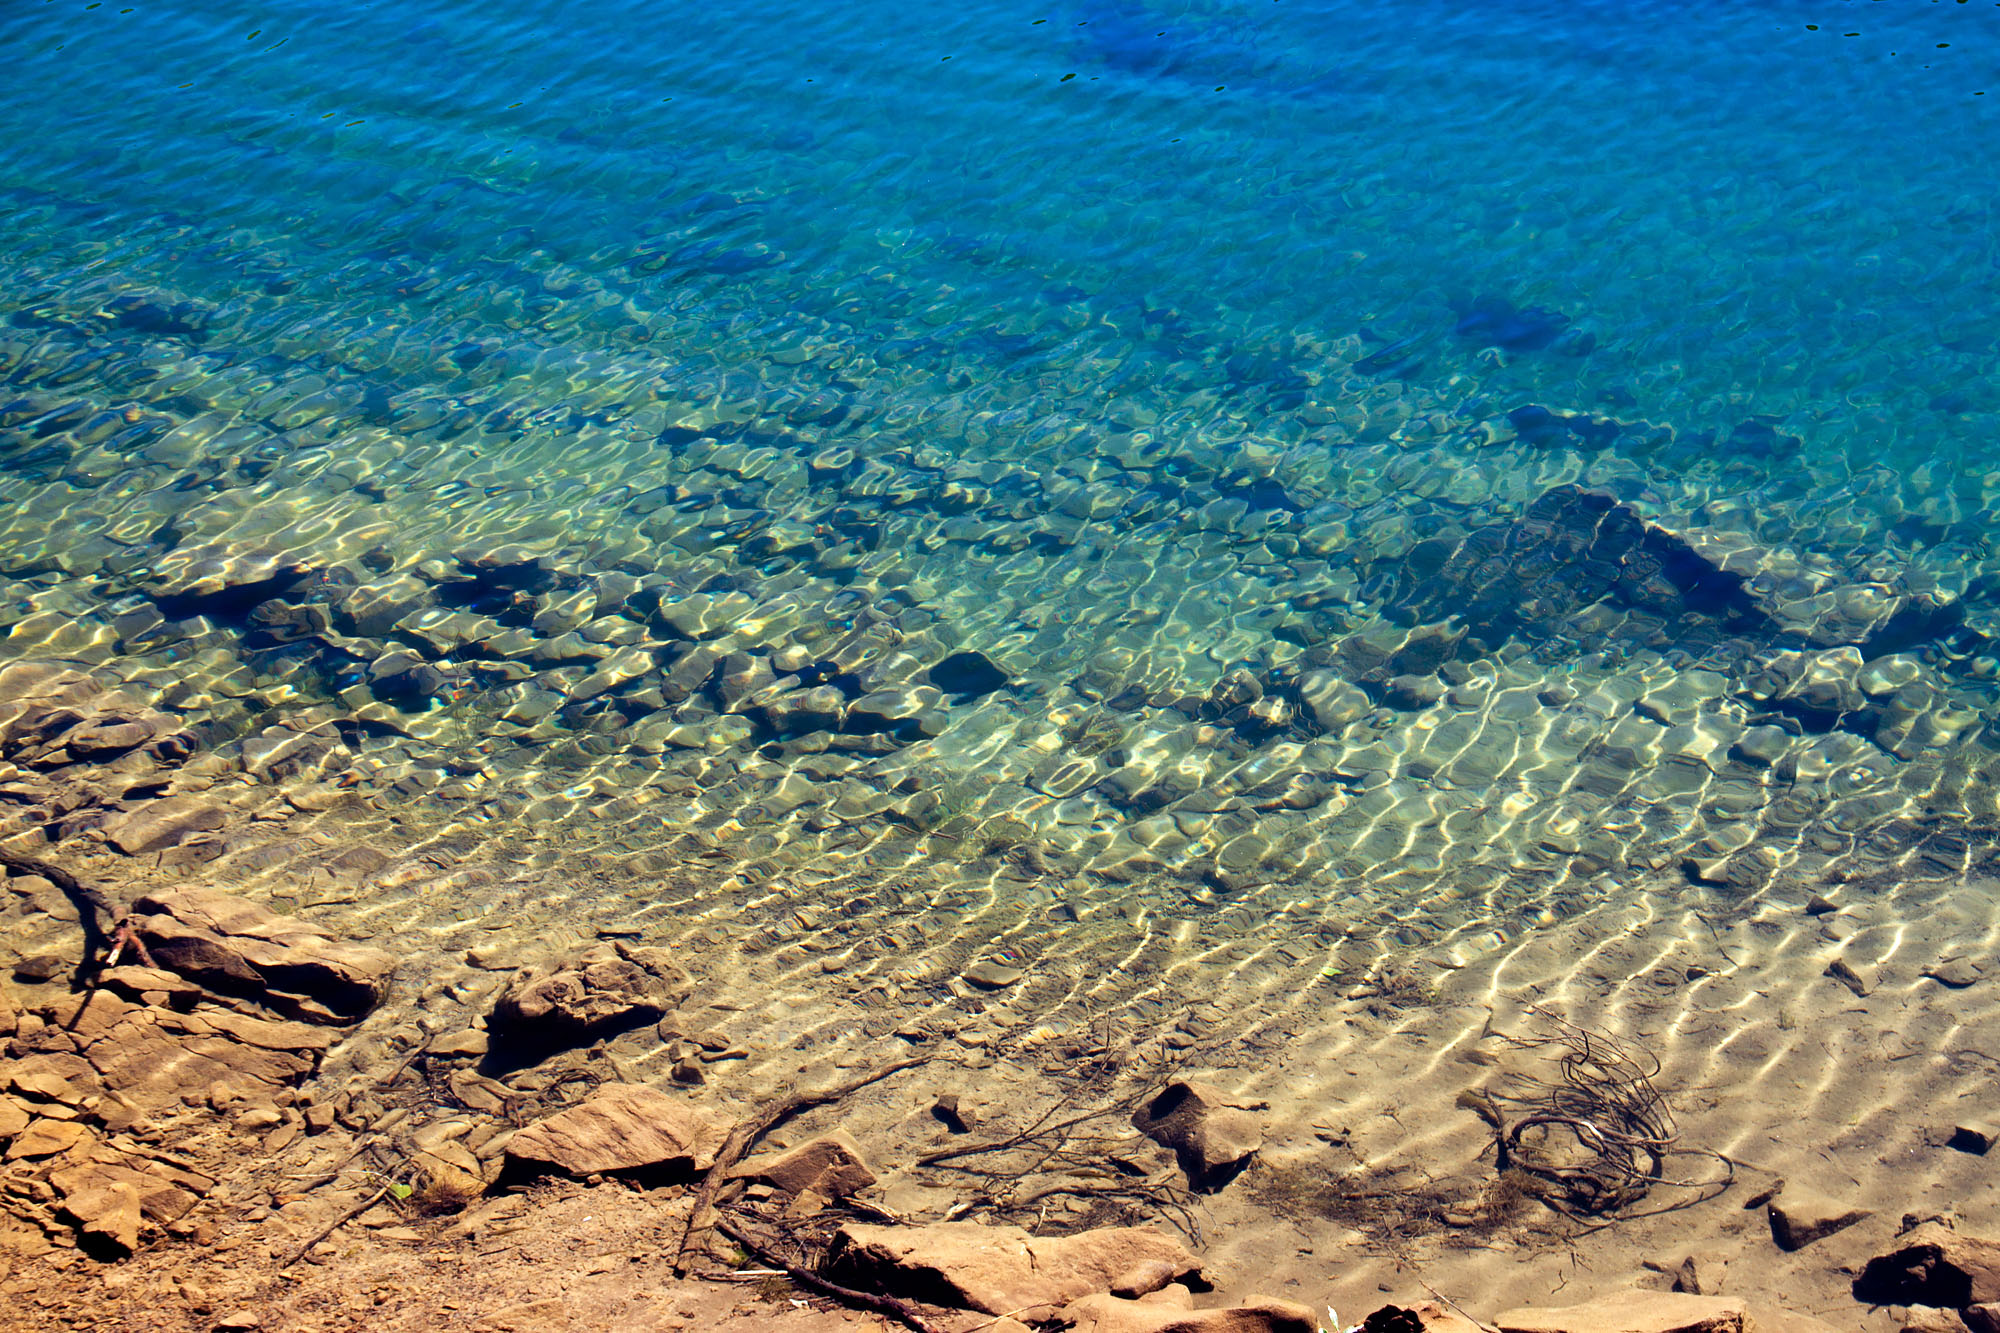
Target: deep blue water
(1785, 205)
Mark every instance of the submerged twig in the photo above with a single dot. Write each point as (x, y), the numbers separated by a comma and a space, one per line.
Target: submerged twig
(1603, 1113)
(747, 1133)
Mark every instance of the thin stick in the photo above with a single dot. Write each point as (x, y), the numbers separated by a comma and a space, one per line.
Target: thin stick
(335, 1225)
(745, 1134)
(901, 1311)
(1481, 1324)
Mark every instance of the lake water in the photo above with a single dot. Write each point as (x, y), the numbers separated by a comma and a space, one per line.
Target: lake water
(1240, 459)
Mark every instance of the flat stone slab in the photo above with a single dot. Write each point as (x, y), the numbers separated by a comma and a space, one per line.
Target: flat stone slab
(1634, 1312)
(1000, 1270)
(621, 1127)
(231, 944)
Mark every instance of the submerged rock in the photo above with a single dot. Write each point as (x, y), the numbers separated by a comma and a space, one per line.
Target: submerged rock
(1635, 1312)
(831, 1165)
(231, 944)
(604, 989)
(1933, 1265)
(1213, 1134)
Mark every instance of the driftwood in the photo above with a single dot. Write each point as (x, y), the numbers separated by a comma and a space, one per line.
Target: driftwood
(901, 1311)
(95, 911)
(748, 1132)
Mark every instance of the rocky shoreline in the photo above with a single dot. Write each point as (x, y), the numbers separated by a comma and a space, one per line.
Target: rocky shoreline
(203, 1133)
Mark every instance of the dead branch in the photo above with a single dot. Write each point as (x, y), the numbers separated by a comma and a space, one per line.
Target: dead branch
(335, 1225)
(96, 913)
(749, 1131)
(766, 1252)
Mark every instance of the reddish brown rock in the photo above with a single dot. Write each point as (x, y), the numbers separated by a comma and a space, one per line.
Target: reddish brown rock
(46, 1138)
(265, 1034)
(165, 1193)
(997, 1270)
(1105, 1313)
(1933, 1265)
(601, 990)
(1927, 1320)
(1212, 1134)
(107, 1212)
(232, 944)
(621, 1127)
(166, 822)
(830, 1165)
(154, 1056)
(54, 1077)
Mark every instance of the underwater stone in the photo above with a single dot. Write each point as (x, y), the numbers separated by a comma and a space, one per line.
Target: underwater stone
(1333, 701)
(1213, 1134)
(600, 990)
(967, 674)
(990, 975)
(1762, 746)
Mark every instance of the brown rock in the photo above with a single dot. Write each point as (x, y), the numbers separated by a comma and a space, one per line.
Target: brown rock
(267, 1035)
(54, 1077)
(470, 1041)
(166, 822)
(991, 975)
(1981, 1318)
(108, 1213)
(105, 737)
(830, 1164)
(232, 944)
(997, 1270)
(621, 1127)
(603, 989)
(88, 1016)
(14, 1117)
(1954, 974)
(1974, 1136)
(1933, 1265)
(164, 1193)
(46, 1138)
(1102, 1313)
(141, 981)
(1800, 1217)
(1150, 1276)
(1213, 1134)
(1926, 1320)
(1635, 1312)
(152, 1065)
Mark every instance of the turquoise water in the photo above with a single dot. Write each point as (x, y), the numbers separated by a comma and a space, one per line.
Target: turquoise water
(1131, 421)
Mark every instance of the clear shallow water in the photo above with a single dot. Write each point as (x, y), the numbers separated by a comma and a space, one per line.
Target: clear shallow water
(1133, 349)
